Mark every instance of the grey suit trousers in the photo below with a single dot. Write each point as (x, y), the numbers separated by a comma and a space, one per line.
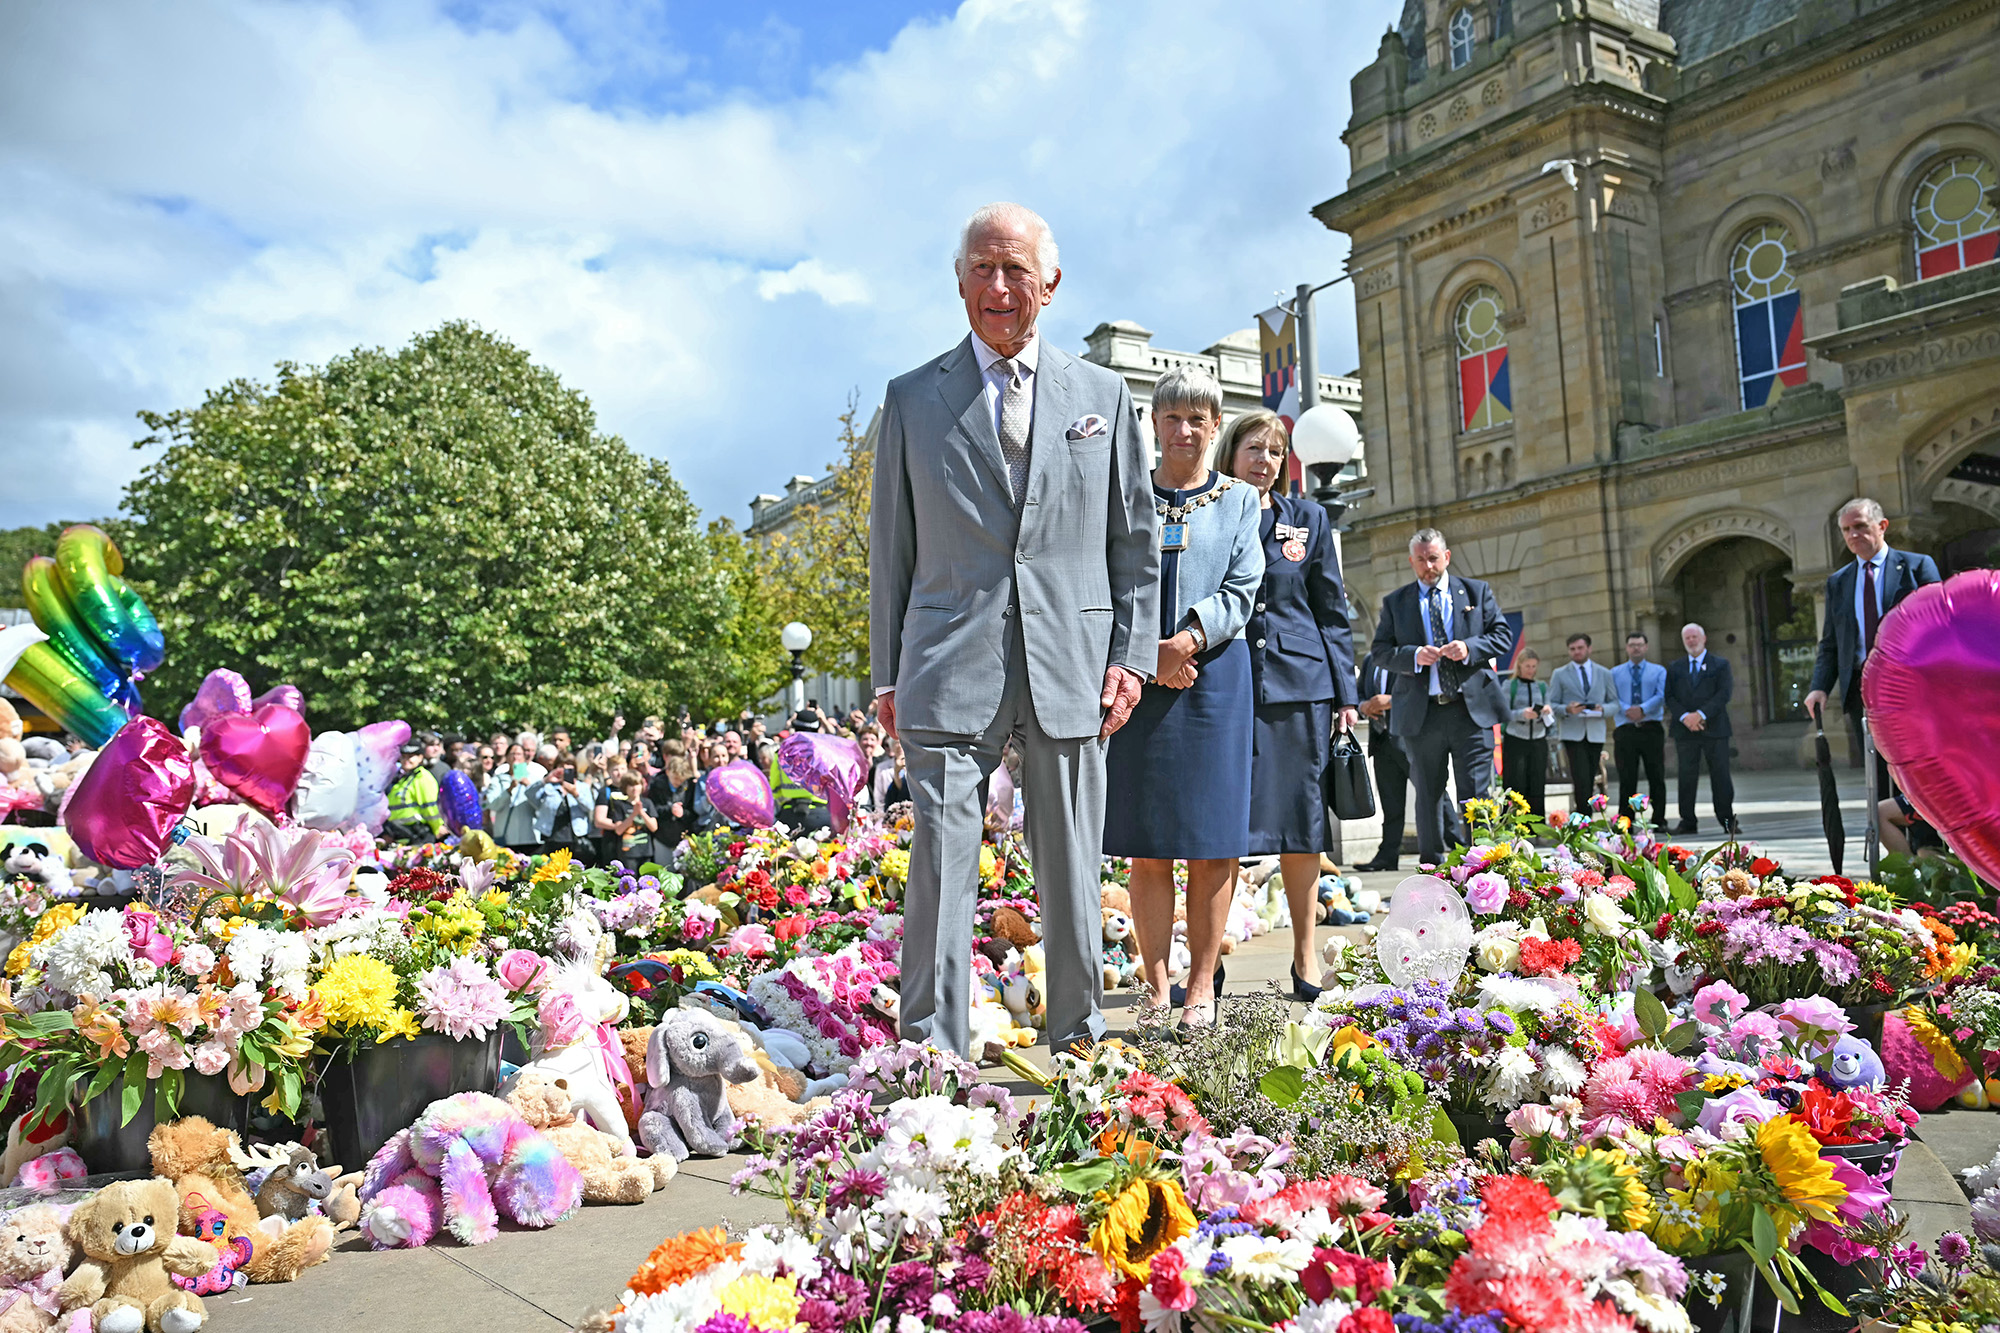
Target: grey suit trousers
(1062, 790)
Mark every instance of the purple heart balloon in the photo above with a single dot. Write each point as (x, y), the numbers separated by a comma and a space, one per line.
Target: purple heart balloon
(288, 695)
(741, 794)
(124, 807)
(830, 767)
(222, 691)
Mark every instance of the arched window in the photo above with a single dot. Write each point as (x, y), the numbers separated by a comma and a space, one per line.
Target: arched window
(1485, 398)
(1957, 216)
(1770, 326)
(1460, 32)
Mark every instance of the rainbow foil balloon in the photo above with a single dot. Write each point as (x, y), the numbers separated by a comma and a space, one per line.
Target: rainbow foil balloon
(101, 638)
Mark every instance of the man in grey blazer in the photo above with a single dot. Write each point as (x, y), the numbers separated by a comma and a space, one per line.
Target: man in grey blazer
(1583, 695)
(1014, 591)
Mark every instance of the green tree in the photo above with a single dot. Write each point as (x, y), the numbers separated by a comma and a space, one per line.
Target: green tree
(438, 533)
(750, 665)
(822, 562)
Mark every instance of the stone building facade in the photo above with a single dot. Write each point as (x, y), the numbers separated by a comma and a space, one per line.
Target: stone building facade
(1646, 289)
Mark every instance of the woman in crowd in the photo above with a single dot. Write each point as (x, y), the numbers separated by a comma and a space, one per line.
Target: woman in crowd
(562, 801)
(1177, 775)
(1301, 671)
(515, 813)
(1524, 742)
(677, 799)
(625, 820)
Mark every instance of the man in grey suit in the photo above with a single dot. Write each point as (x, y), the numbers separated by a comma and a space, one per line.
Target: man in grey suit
(1014, 591)
(1582, 694)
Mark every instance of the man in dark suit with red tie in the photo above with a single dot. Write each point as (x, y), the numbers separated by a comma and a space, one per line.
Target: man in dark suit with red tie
(1698, 690)
(1857, 597)
(1439, 638)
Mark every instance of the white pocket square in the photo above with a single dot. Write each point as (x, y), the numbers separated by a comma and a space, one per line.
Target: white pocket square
(1084, 428)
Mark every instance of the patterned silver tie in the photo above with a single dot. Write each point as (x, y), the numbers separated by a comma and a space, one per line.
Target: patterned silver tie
(1016, 407)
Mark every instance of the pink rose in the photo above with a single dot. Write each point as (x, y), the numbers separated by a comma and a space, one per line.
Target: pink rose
(522, 969)
(562, 1022)
(211, 1057)
(142, 933)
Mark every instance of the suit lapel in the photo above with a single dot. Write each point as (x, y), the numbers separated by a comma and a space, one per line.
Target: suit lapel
(964, 391)
(1048, 445)
(1461, 607)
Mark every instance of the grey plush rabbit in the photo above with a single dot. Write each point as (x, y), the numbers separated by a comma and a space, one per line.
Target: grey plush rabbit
(687, 1060)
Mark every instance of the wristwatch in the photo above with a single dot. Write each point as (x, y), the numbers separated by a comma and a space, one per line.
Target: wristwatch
(1200, 639)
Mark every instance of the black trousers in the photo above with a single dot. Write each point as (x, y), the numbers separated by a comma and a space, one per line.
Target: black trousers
(1392, 781)
(1449, 740)
(1852, 711)
(1634, 744)
(1582, 756)
(1691, 748)
(1525, 766)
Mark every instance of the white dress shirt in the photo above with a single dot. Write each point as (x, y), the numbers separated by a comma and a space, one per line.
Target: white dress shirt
(1871, 569)
(993, 383)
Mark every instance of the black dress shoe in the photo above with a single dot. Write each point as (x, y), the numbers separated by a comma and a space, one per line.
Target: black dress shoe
(1177, 994)
(1303, 991)
(1377, 864)
(1732, 828)
(1686, 826)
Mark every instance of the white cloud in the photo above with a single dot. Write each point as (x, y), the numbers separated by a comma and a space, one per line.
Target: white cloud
(190, 194)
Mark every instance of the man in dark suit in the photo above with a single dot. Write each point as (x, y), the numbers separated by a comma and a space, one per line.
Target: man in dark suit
(1857, 597)
(1439, 637)
(1698, 690)
(1391, 761)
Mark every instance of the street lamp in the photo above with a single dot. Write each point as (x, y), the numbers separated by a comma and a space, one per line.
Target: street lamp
(797, 638)
(1325, 440)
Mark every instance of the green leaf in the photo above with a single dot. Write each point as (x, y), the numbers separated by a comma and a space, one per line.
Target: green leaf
(1086, 1178)
(130, 1093)
(1763, 1235)
(1283, 1085)
(1654, 1020)
(106, 1072)
(1441, 1127)
(166, 1096)
(1691, 1103)
(1681, 1036)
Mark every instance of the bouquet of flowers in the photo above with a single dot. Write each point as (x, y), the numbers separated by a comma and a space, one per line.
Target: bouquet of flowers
(839, 1002)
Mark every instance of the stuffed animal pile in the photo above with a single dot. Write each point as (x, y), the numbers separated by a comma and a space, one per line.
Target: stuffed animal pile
(469, 1160)
(611, 1171)
(204, 1166)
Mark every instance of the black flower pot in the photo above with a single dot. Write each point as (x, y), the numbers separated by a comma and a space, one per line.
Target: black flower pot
(105, 1145)
(1877, 1160)
(1472, 1127)
(1867, 1020)
(375, 1096)
(1737, 1308)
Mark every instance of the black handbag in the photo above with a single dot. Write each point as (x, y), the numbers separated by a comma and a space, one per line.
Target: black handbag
(1349, 793)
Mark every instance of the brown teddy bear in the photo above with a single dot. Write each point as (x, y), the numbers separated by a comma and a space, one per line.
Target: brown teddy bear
(1010, 925)
(1116, 896)
(200, 1160)
(126, 1232)
(34, 1253)
(544, 1102)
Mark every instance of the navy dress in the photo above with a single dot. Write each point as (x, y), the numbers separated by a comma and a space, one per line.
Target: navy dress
(1302, 669)
(1175, 772)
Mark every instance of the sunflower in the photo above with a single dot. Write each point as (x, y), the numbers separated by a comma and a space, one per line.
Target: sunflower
(678, 1258)
(1792, 1154)
(1141, 1220)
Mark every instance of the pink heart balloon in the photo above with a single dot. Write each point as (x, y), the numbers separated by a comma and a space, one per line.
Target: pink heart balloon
(1943, 642)
(123, 809)
(288, 695)
(259, 755)
(741, 794)
(830, 767)
(222, 691)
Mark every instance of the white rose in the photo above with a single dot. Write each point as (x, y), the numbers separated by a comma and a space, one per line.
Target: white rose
(1603, 916)
(1498, 953)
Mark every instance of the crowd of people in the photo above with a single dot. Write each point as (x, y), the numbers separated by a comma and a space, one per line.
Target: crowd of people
(622, 798)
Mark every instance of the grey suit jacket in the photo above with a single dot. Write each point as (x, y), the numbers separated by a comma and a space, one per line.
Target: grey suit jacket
(1566, 688)
(950, 563)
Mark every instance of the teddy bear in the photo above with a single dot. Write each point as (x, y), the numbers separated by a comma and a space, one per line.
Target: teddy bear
(131, 1253)
(1117, 896)
(575, 1005)
(611, 1173)
(1119, 964)
(688, 1058)
(1012, 926)
(201, 1159)
(10, 722)
(34, 1252)
(467, 1160)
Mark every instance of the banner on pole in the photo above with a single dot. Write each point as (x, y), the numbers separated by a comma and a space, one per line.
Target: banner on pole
(1278, 346)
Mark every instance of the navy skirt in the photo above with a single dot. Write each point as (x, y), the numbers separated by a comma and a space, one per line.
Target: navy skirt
(1287, 809)
(1177, 775)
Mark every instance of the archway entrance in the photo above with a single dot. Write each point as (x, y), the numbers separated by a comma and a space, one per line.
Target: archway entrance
(1740, 590)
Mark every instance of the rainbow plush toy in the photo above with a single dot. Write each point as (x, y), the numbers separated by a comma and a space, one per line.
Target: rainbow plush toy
(468, 1160)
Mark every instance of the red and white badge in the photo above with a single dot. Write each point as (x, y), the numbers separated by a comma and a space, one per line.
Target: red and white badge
(1294, 539)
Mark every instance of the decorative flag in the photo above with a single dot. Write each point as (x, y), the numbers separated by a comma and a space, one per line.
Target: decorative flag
(1278, 343)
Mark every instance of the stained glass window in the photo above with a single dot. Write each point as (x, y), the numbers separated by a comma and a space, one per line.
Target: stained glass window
(1485, 397)
(1957, 216)
(1770, 325)
(1460, 32)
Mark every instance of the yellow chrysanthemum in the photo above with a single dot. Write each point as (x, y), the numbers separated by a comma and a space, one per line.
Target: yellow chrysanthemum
(896, 865)
(554, 868)
(1792, 1154)
(989, 864)
(769, 1303)
(692, 959)
(400, 1023)
(1143, 1218)
(358, 991)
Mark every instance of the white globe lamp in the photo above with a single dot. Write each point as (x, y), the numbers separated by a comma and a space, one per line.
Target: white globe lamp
(1326, 435)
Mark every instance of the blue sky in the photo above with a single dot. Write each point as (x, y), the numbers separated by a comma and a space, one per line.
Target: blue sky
(715, 220)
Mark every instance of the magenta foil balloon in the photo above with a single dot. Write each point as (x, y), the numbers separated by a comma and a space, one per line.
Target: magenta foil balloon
(288, 695)
(123, 809)
(259, 755)
(830, 767)
(458, 802)
(1942, 643)
(741, 794)
(222, 691)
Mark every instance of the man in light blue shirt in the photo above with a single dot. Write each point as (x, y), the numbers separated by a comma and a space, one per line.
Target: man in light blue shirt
(1641, 736)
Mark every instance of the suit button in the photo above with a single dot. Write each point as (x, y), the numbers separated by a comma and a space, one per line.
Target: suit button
(1260, 606)
(1260, 643)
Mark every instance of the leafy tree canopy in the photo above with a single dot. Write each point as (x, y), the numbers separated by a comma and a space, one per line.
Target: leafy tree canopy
(438, 533)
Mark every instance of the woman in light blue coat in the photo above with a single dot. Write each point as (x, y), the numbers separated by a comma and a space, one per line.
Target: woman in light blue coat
(1177, 775)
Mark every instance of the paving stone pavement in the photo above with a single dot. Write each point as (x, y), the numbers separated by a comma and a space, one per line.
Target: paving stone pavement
(548, 1281)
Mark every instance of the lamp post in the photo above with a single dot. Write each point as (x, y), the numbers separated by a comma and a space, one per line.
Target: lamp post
(797, 638)
(1325, 440)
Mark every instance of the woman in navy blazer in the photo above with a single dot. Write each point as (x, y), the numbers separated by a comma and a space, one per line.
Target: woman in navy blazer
(1301, 669)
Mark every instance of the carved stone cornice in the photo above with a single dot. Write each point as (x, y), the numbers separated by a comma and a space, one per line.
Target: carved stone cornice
(1701, 294)
(1896, 234)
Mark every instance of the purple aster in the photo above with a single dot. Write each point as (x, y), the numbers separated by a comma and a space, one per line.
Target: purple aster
(856, 1189)
(1953, 1248)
